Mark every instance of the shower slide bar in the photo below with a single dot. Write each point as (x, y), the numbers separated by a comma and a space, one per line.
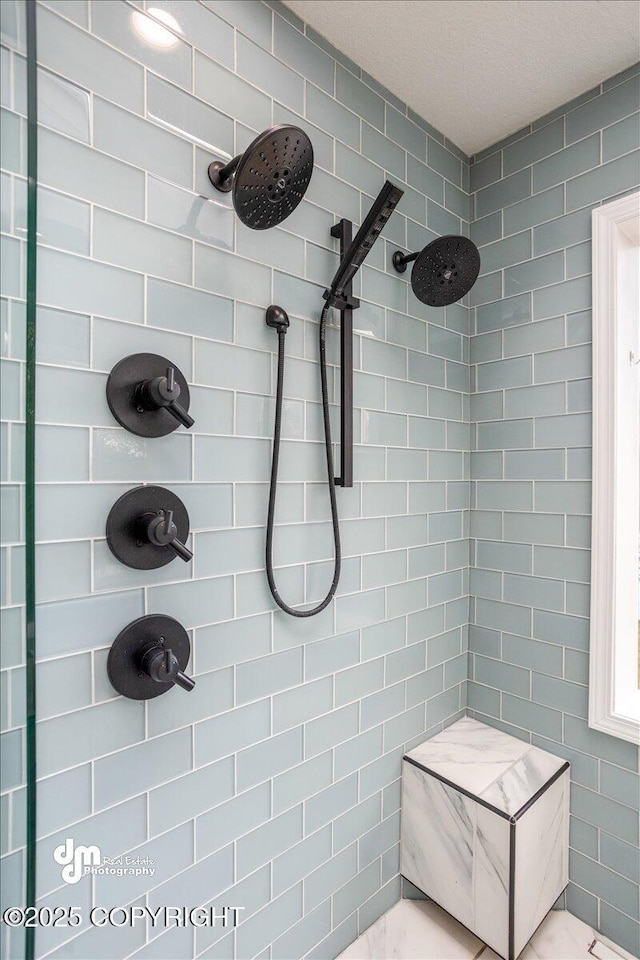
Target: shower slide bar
(343, 231)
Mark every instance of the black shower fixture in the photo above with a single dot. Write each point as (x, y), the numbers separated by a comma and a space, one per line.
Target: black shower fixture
(372, 225)
(147, 528)
(148, 395)
(443, 272)
(339, 295)
(149, 657)
(270, 178)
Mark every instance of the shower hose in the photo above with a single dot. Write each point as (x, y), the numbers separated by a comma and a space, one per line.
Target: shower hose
(330, 476)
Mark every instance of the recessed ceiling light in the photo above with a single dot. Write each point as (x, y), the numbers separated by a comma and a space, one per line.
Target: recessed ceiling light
(153, 32)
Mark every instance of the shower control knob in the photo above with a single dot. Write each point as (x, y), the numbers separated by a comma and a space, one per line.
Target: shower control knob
(163, 532)
(161, 664)
(149, 657)
(164, 392)
(148, 395)
(147, 528)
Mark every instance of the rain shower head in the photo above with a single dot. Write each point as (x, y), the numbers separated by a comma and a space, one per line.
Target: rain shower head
(270, 178)
(443, 272)
(381, 209)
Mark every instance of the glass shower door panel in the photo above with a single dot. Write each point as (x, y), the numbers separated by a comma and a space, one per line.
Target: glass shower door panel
(13, 164)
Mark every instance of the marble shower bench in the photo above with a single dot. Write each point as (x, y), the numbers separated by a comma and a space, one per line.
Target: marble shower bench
(485, 830)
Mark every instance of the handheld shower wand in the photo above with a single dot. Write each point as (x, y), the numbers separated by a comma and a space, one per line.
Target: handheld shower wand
(382, 208)
(372, 225)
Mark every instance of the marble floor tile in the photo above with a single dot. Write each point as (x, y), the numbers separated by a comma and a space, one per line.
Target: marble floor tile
(564, 937)
(420, 930)
(415, 930)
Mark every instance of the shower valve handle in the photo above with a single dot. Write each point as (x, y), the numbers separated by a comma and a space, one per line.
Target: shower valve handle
(149, 395)
(165, 392)
(161, 664)
(163, 532)
(149, 657)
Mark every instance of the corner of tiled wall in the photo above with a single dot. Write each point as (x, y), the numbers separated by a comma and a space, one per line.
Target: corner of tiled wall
(531, 471)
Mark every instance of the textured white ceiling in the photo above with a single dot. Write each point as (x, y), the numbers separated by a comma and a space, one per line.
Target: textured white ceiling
(479, 70)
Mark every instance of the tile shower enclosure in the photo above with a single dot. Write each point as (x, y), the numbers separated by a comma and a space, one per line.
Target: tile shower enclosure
(275, 785)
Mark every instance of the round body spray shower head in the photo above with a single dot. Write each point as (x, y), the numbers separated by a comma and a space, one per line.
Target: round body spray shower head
(270, 178)
(443, 272)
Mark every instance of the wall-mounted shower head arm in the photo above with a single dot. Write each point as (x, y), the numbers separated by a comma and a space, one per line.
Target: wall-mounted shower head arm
(381, 209)
(221, 174)
(400, 259)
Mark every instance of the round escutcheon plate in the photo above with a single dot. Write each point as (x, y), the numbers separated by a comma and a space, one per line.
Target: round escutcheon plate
(125, 656)
(122, 387)
(126, 524)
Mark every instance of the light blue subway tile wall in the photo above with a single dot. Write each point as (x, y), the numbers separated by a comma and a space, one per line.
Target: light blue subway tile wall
(530, 519)
(275, 784)
(70, 227)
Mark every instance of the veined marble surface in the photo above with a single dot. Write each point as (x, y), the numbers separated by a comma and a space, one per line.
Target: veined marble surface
(491, 764)
(514, 788)
(438, 835)
(469, 754)
(491, 879)
(542, 849)
(458, 851)
(564, 937)
(419, 930)
(415, 930)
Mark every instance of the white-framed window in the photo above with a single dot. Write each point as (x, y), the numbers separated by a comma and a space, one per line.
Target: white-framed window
(614, 660)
